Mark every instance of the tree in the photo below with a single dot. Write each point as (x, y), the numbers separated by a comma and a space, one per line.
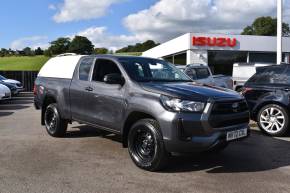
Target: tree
(27, 51)
(47, 52)
(101, 51)
(38, 51)
(59, 46)
(265, 26)
(81, 45)
(149, 44)
(139, 47)
(4, 52)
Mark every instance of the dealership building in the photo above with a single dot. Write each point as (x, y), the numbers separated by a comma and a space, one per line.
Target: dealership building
(220, 51)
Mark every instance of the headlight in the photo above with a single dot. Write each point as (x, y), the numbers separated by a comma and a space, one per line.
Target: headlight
(178, 105)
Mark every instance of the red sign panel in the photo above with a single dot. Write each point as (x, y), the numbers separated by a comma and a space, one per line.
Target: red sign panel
(214, 41)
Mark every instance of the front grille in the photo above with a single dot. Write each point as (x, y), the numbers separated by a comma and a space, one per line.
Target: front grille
(229, 107)
(225, 114)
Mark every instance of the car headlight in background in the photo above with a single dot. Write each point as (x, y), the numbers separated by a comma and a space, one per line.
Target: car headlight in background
(178, 105)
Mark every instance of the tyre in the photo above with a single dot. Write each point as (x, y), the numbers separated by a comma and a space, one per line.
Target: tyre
(145, 145)
(273, 120)
(55, 125)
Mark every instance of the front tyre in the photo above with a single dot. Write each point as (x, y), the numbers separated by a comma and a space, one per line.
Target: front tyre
(54, 124)
(145, 145)
(273, 120)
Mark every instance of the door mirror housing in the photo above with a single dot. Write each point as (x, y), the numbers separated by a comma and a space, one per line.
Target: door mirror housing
(114, 78)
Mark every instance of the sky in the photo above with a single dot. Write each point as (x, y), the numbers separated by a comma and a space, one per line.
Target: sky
(118, 23)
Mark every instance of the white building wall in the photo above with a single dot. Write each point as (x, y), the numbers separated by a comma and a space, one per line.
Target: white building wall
(198, 57)
(177, 45)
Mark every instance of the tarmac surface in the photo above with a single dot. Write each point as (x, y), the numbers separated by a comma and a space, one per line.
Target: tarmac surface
(91, 160)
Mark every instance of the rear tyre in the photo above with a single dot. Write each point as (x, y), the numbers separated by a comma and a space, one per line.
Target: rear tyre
(54, 124)
(273, 120)
(145, 145)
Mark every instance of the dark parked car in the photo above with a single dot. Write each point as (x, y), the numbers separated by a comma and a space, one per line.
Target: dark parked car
(268, 97)
(154, 106)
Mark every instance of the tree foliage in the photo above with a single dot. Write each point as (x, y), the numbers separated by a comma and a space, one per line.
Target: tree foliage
(38, 51)
(4, 52)
(81, 45)
(28, 51)
(101, 51)
(59, 46)
(265, 26)
(139, 47)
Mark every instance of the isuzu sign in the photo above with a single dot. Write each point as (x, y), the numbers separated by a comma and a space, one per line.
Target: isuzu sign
(214, 41)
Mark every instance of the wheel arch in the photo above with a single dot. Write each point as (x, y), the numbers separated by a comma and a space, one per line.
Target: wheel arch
(49, 99)
(132, 118)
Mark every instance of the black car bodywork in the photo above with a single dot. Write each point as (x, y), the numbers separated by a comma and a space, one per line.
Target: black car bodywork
(117, 107)
(269, 86)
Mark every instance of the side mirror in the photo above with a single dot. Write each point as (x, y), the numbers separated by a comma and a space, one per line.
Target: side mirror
(114, 78)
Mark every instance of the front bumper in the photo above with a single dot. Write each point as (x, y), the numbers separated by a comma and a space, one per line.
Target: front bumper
(7, 96)
(18, 90)
(190, 132)
(203, 143)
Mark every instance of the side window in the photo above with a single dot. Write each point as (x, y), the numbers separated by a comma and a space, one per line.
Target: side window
(274, 75)
(84, 68)
(202, 73)
(191, 73)
(104, 67)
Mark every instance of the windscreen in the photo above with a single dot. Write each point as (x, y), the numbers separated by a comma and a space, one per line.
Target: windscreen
(147, 70)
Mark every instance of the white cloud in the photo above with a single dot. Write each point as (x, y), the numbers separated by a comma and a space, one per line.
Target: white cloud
(76, 10)
(32, 42)
(52, 7)
(170, 18)
(101, 38)
(163, 20)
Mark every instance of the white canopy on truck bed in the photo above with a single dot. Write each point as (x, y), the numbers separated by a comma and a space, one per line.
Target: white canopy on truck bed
(60, 67)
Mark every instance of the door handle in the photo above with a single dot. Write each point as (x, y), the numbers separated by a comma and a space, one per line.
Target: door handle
(90, 89)
(287, 89)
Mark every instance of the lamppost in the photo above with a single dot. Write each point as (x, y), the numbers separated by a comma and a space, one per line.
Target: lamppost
(279, 31)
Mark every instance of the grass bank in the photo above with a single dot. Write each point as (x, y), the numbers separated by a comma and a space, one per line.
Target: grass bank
(22, 63)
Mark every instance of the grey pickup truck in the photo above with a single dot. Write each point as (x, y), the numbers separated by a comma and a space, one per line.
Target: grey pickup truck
(154, 106)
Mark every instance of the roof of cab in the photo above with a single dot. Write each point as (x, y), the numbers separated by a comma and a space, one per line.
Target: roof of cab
(63, 66)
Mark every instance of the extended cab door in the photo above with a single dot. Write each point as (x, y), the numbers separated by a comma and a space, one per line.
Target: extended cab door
(106, 101)
(80, 88)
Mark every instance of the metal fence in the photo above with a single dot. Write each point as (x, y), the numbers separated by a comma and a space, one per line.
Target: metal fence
(27, 78)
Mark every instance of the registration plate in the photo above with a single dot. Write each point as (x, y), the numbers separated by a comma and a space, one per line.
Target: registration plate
(232, 135)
